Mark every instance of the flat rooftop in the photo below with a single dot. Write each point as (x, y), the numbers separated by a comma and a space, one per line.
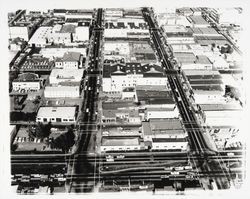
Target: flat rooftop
(56, 112)
(120, 141)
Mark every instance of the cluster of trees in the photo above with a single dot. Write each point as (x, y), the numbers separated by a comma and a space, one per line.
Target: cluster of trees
(40, 131)
(223, 49)
(64, 141)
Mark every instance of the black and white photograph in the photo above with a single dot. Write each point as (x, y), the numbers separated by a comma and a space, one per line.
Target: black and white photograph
(115, 99)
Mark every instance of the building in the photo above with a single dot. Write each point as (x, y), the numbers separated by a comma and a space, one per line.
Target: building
(124, 143)
(26, 82)
(79, 14)
(56, 114)
(65, 75)
(206, 86)
(164, 134)
(54, 51)
(124, 116)
(113, 13)
(17, 44)
(157, 113)
(62, 91)
(40, 37)
(24, 27)
(154, 97)
(70, 60)
(81, 33)
(172, 19)
(36, 63)
(176, 34)
(198, 21)
(116, 77)
(188, 61)
(222, 115)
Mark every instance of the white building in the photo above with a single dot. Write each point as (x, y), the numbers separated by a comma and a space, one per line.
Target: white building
(26, 82)
(198, 21)
(65, 75)
(61, 91)
(56, 114)
(113, 12)
(52, 52)
(222, 115)
(19, 31)
(126, 143)
(81, 33)
(119, 76)
(178, 144)
(164, 134)
(188, 61)
(40, 37)
(157, 113)
(70, 60)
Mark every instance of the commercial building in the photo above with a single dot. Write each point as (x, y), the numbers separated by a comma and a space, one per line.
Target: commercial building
(55, 51)
(113, 13)
(62, 91)
(116, 143)
(70, 60)
(24, 27)
(17, 44)
(188, 61)
(177, 34)
(35, 63)
(116, 77)
(154, 97)
(164, 134)
(124, 116)
(198, 21)
(40, 37)
(26, 82)
(206, 86)
(56, 114)
(222, 115)
(172, 19)
(157, 113)
(65, 75)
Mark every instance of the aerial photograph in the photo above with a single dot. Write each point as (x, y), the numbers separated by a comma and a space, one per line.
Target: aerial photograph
(135, 100)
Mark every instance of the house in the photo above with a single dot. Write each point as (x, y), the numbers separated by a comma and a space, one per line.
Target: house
(118, 143)
(56, 114)
(26, 82)
(164, 134)
(70, 60)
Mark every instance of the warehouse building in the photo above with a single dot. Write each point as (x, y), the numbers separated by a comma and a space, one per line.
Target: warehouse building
(164, 134)
(124, 143)
(56, 114)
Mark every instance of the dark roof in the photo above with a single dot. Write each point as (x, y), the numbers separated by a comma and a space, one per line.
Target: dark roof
(155, 97)
(25, 77)
(116, 105)
(169, 140)
(208, 87)
(59, 10)
(205, 81)
(131, 68)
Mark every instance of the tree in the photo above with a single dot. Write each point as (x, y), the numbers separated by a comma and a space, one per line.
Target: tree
(14, 147)
(40, 131)
(64, 141)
